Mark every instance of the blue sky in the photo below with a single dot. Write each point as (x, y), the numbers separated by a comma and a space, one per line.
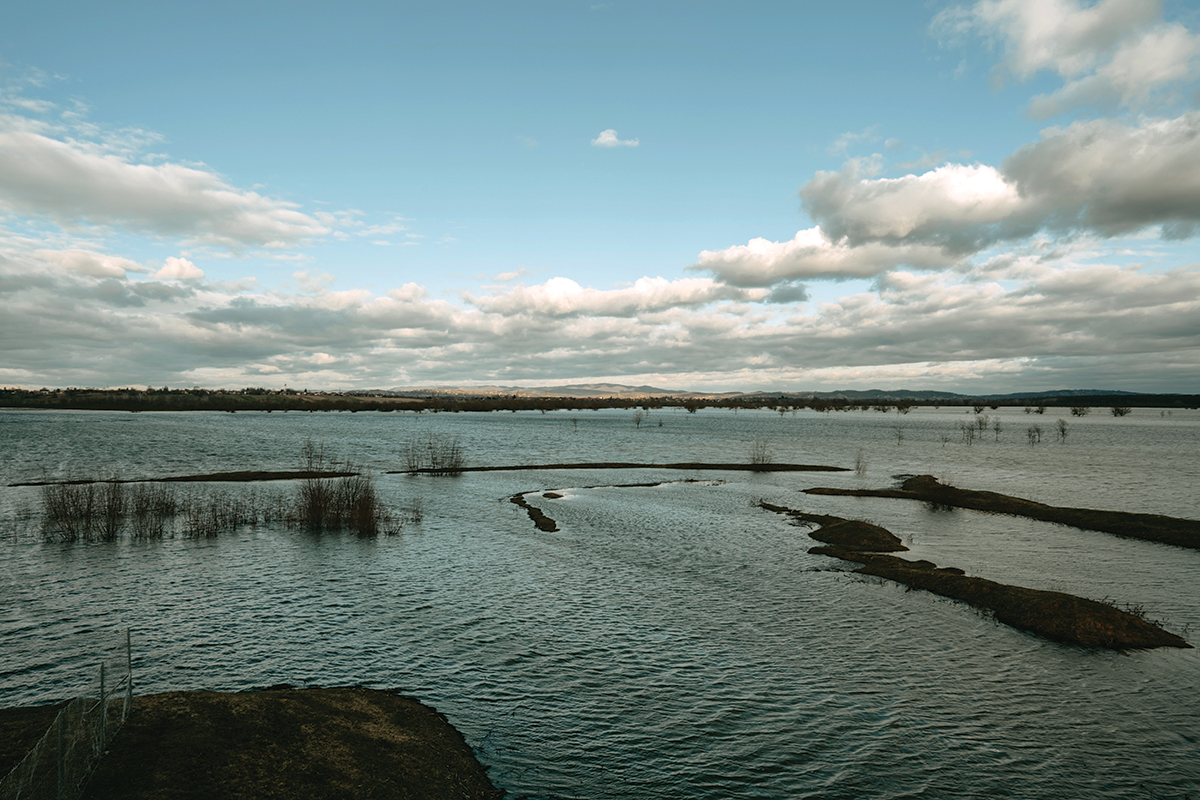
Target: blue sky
(989, 196)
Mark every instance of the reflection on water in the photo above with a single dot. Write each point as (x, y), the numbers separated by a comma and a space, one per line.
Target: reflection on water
(669, 641)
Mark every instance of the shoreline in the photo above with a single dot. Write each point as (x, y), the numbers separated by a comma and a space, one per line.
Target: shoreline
(279, 742)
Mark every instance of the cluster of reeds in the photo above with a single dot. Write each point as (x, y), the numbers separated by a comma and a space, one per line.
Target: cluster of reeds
(349, 503)
(433, 451)
(104, 509)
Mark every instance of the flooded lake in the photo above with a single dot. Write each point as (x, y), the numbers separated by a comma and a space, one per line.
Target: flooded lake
(667, 641)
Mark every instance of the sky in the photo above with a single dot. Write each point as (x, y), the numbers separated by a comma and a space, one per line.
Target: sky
(996, 196)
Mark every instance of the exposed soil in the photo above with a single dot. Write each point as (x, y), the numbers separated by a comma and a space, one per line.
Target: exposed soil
(1054, 615)
(543, 522)
(299, 744)
(1151, 527)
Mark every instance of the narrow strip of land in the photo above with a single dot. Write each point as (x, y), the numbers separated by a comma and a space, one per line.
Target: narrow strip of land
(1055, 615)
(1150, 527)
(243, 476)
(686, 465)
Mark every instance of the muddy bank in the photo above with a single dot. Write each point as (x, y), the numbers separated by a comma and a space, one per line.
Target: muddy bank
(543, 522)
(688, 465)
(1151, 527)
(1055, 615)
(299, 744)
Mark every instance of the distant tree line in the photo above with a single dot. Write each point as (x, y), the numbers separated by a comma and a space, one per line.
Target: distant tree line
(262, 399)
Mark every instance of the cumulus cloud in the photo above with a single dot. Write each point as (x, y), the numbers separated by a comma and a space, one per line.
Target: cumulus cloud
(179, 269)
(89, 262)
(1099, 177)
(811, 254)
(1112, 53)
(944, 324)
(609, 138)
(559, 297)
(71, 182)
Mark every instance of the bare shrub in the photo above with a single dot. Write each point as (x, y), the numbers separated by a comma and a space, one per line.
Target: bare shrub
(1034, 434)
(1062, 430)
(111, 507)
(69, 511)
(1080, 411)
(435, 452)
(760, 452)
(1120, 411)
(151, 507)
(860, 464)
(350, 503)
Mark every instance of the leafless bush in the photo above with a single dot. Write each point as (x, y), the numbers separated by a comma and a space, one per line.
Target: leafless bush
(1080, 411)
(860, 464)
(760, 452)
(151, 507)
(435, 452)
(69, 511)
(1062, 430)
(968, 432)
(111, 497)
(997, 426)
(1120, 411)
(1034, 434)
(335, 503)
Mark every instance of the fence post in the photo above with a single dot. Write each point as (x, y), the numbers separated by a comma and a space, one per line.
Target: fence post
(128, 678)
(61, 721)
(103, 708)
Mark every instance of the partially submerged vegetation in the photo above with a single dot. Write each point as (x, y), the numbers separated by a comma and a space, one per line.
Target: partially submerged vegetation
(1054, 615)
(327, 497)
(1151, 527)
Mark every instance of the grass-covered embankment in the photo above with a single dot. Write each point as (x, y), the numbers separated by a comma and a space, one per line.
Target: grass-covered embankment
(1151, 527)
(298, 744)
(1054, 615)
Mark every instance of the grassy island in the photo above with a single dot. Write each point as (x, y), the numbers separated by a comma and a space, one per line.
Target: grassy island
(1055, 615)
(1151, 527)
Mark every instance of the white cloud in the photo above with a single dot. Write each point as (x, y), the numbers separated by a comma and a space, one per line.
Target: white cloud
(609, 138)
(812, 255)
(72, 182)
(1021, 321)
(560, 297)
(1115, 52)
(179, 269)
(1098, 177)
(849, 139)
(88, 262)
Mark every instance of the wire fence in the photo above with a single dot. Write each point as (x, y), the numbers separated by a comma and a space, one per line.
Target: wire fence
(58, 766)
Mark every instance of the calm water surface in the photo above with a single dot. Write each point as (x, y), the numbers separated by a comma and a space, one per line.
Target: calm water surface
(669, 641)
